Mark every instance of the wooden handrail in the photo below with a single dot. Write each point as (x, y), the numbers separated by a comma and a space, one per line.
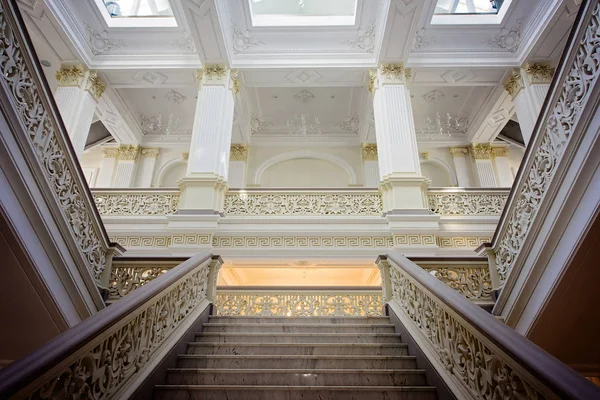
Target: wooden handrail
(20, 373)
(556, 376)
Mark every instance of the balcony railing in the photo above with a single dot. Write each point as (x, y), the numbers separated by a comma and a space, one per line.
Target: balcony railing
(140, 202)
(473, 201)
(548, 151)
(299, 302)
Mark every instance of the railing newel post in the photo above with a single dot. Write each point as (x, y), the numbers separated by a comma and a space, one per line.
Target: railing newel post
(213, 274)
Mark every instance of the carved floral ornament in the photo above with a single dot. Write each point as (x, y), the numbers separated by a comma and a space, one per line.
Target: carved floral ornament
(150, 152)
(389, 74)
(458, 151)
(77, 75)
(481, 151)
(110, 152)
(500, 151)
(514, 83)
(238, 152)
(128, 152)
(539, 72)
(369, 152)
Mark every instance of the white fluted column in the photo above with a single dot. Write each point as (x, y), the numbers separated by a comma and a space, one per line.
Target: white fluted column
(76, 97)
(146, 167)
(126, 166)
(461, 166)
(401, 183)
(505, 178)
(370, 164)
(528, 88)
(107, 167)
(484, 169)
(238, 157)
(204, 185)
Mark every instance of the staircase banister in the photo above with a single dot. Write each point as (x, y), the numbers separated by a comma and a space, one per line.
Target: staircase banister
(560, 379)
(20, 373)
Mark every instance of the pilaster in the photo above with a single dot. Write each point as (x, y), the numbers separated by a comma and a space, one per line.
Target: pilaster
(126, 165)
(484, 169)
(461, 166)
(505, 178)
(77, 97)
(528, 87)
(401, 183)
(238, 157)
(146, 166)
(370, 164)
(107, 167)
(204, 186)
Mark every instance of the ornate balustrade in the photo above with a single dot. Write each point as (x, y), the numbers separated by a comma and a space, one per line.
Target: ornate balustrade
(141, 202)
(558, 126)
(108, 355)
(45, 143)
(304, 302)
(303, 202)
(450, 201)
(477, 356)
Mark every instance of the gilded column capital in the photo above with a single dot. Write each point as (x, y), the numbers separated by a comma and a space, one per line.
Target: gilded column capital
(514, 83)
(369, 152)
(128, 152)
(458, 151)
(238, 152)
(424, 156)
(150, 152)
(372, 80)
(500, 151)
(235, 82)
(70, 75)
(94, 84)
(538, 72)
(214, 74)
(481, 151)
(185, 156)
(110, 152)
(394, 74)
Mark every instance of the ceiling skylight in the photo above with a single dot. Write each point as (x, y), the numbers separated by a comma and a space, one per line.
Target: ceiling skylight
(137, 13)
(303, 12)
(468, 6)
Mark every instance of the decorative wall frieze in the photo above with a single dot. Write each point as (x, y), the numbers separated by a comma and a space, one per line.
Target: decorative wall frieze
(302, 303)
(175, 97)
(456, 242)
(303, 204)
(422, 40)
(185, 43)
(110, 152)
(304, 96)
(365, 39)
(369, 152)
(243, 40)
(70, 75)
(433, 96)
(539, 72)
(302, 241)
(150, 152)
(163, 241)
(500, 151)
(467, 203)
(48, 145)
(258, 124)
(509, 39)
(481, 151)
(350, 124)
(100, 41)
(135, 203)
(128, 152)
(459, 151)
(414, 240)
(514, 83)
(553, 136)
(238, 152)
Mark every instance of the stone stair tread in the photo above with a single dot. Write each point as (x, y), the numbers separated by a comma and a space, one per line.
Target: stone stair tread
(270, 324)
(320, 334)
(301, 388)
(301, 356)
(249, 344)
(296, 371)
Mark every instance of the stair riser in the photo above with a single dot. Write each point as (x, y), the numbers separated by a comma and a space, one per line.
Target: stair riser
(291, 338)
(296, 363)
(296, 379)
(299, 350)
(326, 328)
(300, 320)
(279, 394)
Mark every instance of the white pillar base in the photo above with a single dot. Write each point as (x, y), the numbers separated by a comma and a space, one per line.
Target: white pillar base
(203, 192)
(404, 192)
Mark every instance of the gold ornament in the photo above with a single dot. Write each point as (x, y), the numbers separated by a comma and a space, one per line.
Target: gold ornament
(369, 152)
(238, 152)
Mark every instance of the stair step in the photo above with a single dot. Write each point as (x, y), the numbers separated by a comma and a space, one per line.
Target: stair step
(296, 361)
(301, 320)
(298, 328)
(278, 337)
(350, 349)
(219, 392)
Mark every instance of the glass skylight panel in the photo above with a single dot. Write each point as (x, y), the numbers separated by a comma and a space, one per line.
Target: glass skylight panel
(138, 8)
(302, 12)
(468, 6)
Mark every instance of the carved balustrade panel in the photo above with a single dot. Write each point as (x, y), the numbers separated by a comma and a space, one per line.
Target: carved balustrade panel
(473, 282)
(299, 303)
(125, 278)
(467, 203)
(100, 368)
(126, 203)
(468, 356)
(550, 146)
(297, 203)
(21, 82)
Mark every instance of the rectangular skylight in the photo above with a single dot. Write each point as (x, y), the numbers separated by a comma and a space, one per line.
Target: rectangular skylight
(303, 12)
(468, 6)
(470, 12)
(137, 13)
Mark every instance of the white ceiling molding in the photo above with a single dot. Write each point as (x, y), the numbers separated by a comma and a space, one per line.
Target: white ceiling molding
(206, 30)
(117, 119)
(497, 111)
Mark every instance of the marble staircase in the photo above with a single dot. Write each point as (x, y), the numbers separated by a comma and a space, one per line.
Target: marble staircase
(247, 358)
